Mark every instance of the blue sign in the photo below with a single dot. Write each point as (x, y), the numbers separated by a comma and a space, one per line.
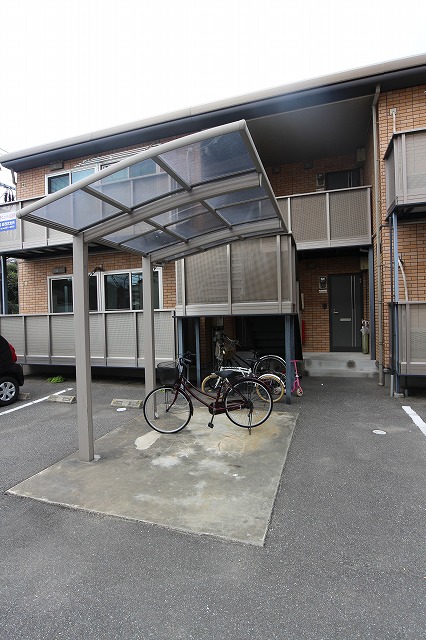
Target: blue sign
(7, 221)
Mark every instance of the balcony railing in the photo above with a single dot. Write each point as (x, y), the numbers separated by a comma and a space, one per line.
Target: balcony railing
(317, 220)
(324, 219)
(116, 338)
(406, 173)
(410, 338)
(17, 235)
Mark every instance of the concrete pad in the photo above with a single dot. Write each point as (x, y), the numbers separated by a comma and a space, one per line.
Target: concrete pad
(220, 481)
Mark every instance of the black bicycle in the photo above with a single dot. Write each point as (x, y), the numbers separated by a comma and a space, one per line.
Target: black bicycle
(247, 401)
(268, 366)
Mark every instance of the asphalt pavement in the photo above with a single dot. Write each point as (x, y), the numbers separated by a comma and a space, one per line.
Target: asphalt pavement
(344, 555)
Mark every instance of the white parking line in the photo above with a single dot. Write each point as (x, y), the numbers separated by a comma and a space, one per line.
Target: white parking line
(416, 419)
(28, 404)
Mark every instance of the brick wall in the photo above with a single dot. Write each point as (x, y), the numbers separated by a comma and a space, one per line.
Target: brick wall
(33, 278)
(410, 105)
(32, 183)
(290, 179)
(316, 305)
(295, 179)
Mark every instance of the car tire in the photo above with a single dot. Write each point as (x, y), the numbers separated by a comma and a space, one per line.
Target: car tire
(9, 391)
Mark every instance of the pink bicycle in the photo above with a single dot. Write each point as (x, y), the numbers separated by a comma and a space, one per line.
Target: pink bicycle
(297, 387)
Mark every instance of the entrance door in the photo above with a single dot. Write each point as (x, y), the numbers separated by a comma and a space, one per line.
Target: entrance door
(345, 312)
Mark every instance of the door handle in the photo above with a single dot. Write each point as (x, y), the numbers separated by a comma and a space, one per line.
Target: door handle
(335, 312)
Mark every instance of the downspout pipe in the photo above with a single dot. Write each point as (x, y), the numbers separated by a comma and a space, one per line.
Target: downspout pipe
(378, 237)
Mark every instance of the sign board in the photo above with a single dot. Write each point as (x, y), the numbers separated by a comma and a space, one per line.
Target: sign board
(7, 220)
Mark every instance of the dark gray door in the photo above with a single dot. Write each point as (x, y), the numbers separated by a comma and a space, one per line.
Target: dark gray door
(345, 312)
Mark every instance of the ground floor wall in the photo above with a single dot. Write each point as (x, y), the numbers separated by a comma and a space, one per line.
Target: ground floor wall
(314, 315)
(33, 277)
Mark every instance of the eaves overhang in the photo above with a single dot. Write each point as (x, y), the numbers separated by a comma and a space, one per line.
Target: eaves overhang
(301, 95)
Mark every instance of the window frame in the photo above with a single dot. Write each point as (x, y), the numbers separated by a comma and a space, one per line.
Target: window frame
(100, 290)
(131, 272)
(70, 173)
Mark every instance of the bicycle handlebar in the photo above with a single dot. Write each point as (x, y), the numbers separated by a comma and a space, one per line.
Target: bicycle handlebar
(186, 358)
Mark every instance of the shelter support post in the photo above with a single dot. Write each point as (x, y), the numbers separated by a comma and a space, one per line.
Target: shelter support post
(198, 351)
(82, 349)
(180, 337)
(148, 322)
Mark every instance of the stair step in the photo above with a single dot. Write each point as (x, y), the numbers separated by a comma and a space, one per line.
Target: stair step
(351, 365)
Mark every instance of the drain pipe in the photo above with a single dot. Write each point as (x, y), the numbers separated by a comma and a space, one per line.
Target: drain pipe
(404, 277)
(378, 237)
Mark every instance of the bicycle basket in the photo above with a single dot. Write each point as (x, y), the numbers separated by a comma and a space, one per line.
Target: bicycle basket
(168, 372)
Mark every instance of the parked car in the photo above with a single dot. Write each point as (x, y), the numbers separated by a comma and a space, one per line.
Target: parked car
(11, 373)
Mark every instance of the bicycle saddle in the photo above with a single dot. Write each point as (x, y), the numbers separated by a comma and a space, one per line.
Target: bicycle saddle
(229, 373)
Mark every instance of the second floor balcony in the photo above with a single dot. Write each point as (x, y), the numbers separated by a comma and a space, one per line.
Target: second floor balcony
(324, 219)
(317, 220)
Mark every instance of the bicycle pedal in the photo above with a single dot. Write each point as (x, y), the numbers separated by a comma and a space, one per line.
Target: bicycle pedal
(210, 424)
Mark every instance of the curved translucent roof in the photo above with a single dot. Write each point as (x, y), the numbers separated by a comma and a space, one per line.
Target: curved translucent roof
(172, 200)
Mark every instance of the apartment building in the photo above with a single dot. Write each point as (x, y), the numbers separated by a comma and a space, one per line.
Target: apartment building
(332, 248)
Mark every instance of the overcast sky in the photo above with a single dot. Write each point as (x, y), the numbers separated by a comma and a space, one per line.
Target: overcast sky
(69, 68)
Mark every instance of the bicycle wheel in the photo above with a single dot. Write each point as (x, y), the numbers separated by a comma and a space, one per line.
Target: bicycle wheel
(167, 410)
(208, 385)
(270, 364)
(275, 385)
(248, 403)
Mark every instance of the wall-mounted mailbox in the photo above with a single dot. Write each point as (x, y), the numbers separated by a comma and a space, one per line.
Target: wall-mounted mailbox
(322, 284)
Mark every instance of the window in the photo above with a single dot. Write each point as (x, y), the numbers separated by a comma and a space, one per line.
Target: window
(141, 169)
(117, 291)
(342, 179)
(59, 181)
(122, 291)
(144, 168)
(55, 183)
(61, 295)
(125, 290)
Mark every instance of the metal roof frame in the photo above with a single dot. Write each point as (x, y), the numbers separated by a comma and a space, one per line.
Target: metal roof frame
(212, 202)
(243, 191)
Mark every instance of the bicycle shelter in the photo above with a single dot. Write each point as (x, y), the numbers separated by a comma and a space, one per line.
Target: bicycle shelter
(210, 189)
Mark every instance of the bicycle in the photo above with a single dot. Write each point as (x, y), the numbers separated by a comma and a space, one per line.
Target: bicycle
(296, 387)
(247, 402)
(259, 366)
(274, 382)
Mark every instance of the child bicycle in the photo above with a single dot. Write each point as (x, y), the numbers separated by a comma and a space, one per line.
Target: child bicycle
(296, 387)
(247, 401)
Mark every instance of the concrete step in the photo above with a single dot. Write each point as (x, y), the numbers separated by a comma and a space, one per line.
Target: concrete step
(343, 364)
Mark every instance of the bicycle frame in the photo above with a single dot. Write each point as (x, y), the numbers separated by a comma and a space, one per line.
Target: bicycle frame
(296, 387)
(214, 402)
(169, 408)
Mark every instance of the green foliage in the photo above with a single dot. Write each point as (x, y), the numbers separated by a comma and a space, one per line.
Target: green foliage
(12, 287)
(56, 379)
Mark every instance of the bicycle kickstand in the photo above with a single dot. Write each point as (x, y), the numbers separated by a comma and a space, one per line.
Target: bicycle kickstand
(210, 424)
